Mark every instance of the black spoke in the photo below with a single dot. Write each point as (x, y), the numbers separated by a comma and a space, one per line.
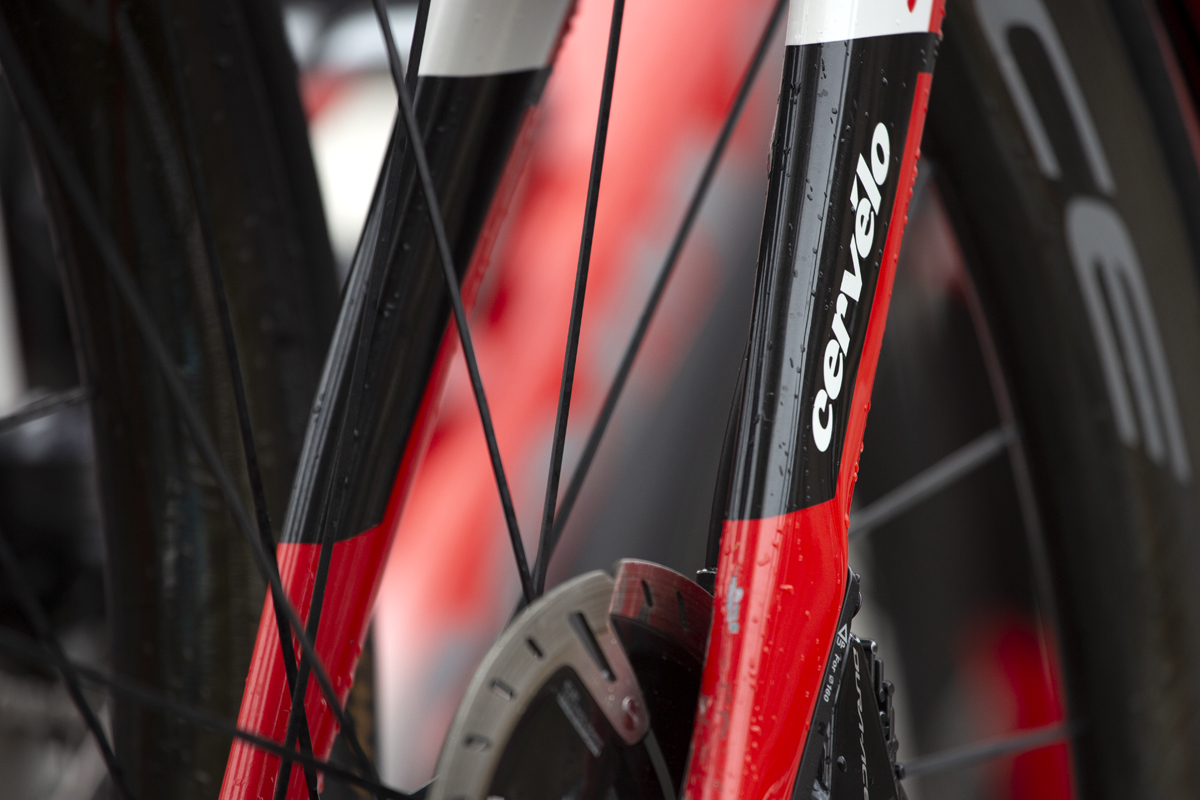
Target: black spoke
(249, 450)
(418, 44)
(460, 315)
(981, 752)
(932, 480)
(660, 285)
(32, 610)
(581, 275)
(20, 647)
(44, 406)
(297, 713)
(38, 116)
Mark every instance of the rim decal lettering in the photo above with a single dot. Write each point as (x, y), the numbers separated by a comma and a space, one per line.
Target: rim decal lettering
(1045, 91)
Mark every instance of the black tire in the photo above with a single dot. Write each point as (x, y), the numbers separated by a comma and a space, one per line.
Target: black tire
(183, 597)
(1120, 521)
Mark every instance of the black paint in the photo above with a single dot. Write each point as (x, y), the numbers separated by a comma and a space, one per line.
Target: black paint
(469, 125)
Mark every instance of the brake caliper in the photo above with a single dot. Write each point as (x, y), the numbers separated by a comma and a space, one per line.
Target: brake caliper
(851, 753)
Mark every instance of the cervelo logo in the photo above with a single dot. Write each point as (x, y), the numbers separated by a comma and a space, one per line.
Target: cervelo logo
(1102, 250)
(862, 242)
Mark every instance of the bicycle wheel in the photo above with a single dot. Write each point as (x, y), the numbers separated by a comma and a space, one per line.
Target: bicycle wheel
(180, 589)
(1058, 156)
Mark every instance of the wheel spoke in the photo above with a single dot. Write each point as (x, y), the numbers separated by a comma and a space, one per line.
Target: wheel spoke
(1027, 498)
(932, 480)
(20, 647)
(37, 619)
(981, 752)
(418, 45)
(39, 119)
(581, 274)
(297, 714)
(44, 406)
(460, 314)
(660, 283)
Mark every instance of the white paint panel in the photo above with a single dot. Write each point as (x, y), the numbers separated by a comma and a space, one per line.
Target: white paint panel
(488, 37)
(814, 21)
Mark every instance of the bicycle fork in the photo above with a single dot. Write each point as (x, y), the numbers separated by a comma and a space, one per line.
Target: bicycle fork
(856, 82)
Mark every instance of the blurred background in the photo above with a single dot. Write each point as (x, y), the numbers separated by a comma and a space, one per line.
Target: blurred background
(951, 584)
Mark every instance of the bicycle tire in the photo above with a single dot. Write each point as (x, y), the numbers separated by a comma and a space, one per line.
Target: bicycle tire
(182, 594)
(1119, 516)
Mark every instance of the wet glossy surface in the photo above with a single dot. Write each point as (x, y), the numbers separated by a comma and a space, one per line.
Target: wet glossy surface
(807, 312)
(781, 574)
(471, 125)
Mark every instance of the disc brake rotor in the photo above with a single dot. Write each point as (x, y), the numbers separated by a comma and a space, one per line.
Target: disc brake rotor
(590, 693)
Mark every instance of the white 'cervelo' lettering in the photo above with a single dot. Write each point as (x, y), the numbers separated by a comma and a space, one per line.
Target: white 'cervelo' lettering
(861, 244)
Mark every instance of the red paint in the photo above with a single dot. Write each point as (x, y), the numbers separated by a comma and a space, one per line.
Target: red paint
(763, 671)
(251, 773)
(760, 684)
(936, 15)
(1045, 772)
(1015, 685)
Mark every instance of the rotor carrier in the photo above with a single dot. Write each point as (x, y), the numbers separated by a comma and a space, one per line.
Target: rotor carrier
(590, 691)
